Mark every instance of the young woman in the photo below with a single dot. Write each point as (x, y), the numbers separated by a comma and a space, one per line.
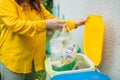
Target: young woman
(23, 26)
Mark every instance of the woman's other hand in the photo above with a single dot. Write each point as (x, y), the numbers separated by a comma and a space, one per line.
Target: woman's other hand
(80, 22)
(55, 24)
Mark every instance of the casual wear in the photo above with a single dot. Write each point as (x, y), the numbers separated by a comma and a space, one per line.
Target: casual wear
(7, 74)
(23, 36)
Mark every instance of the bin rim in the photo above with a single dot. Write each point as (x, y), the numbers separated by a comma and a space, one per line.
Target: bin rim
(49, 67)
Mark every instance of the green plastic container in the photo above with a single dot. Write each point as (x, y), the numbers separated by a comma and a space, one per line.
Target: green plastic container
(65, 67)
(78, 63)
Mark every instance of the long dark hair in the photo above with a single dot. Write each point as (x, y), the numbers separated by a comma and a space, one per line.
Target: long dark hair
(35, 4)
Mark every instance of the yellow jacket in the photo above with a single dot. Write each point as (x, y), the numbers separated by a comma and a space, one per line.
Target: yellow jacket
(23, 36)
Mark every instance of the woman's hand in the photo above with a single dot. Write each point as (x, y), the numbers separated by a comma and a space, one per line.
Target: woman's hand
(55, 24)
(80, 22)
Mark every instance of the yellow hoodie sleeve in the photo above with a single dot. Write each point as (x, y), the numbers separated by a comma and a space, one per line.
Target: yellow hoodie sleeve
(71, 24)
(9, 15)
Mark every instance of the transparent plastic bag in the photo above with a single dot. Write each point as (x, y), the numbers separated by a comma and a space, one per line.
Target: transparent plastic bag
(63, 48)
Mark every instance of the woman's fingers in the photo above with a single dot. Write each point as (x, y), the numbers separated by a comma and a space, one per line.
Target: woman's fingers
(80, 22)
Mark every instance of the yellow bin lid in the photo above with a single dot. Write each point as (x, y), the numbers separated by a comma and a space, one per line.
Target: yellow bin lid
(93, 38)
